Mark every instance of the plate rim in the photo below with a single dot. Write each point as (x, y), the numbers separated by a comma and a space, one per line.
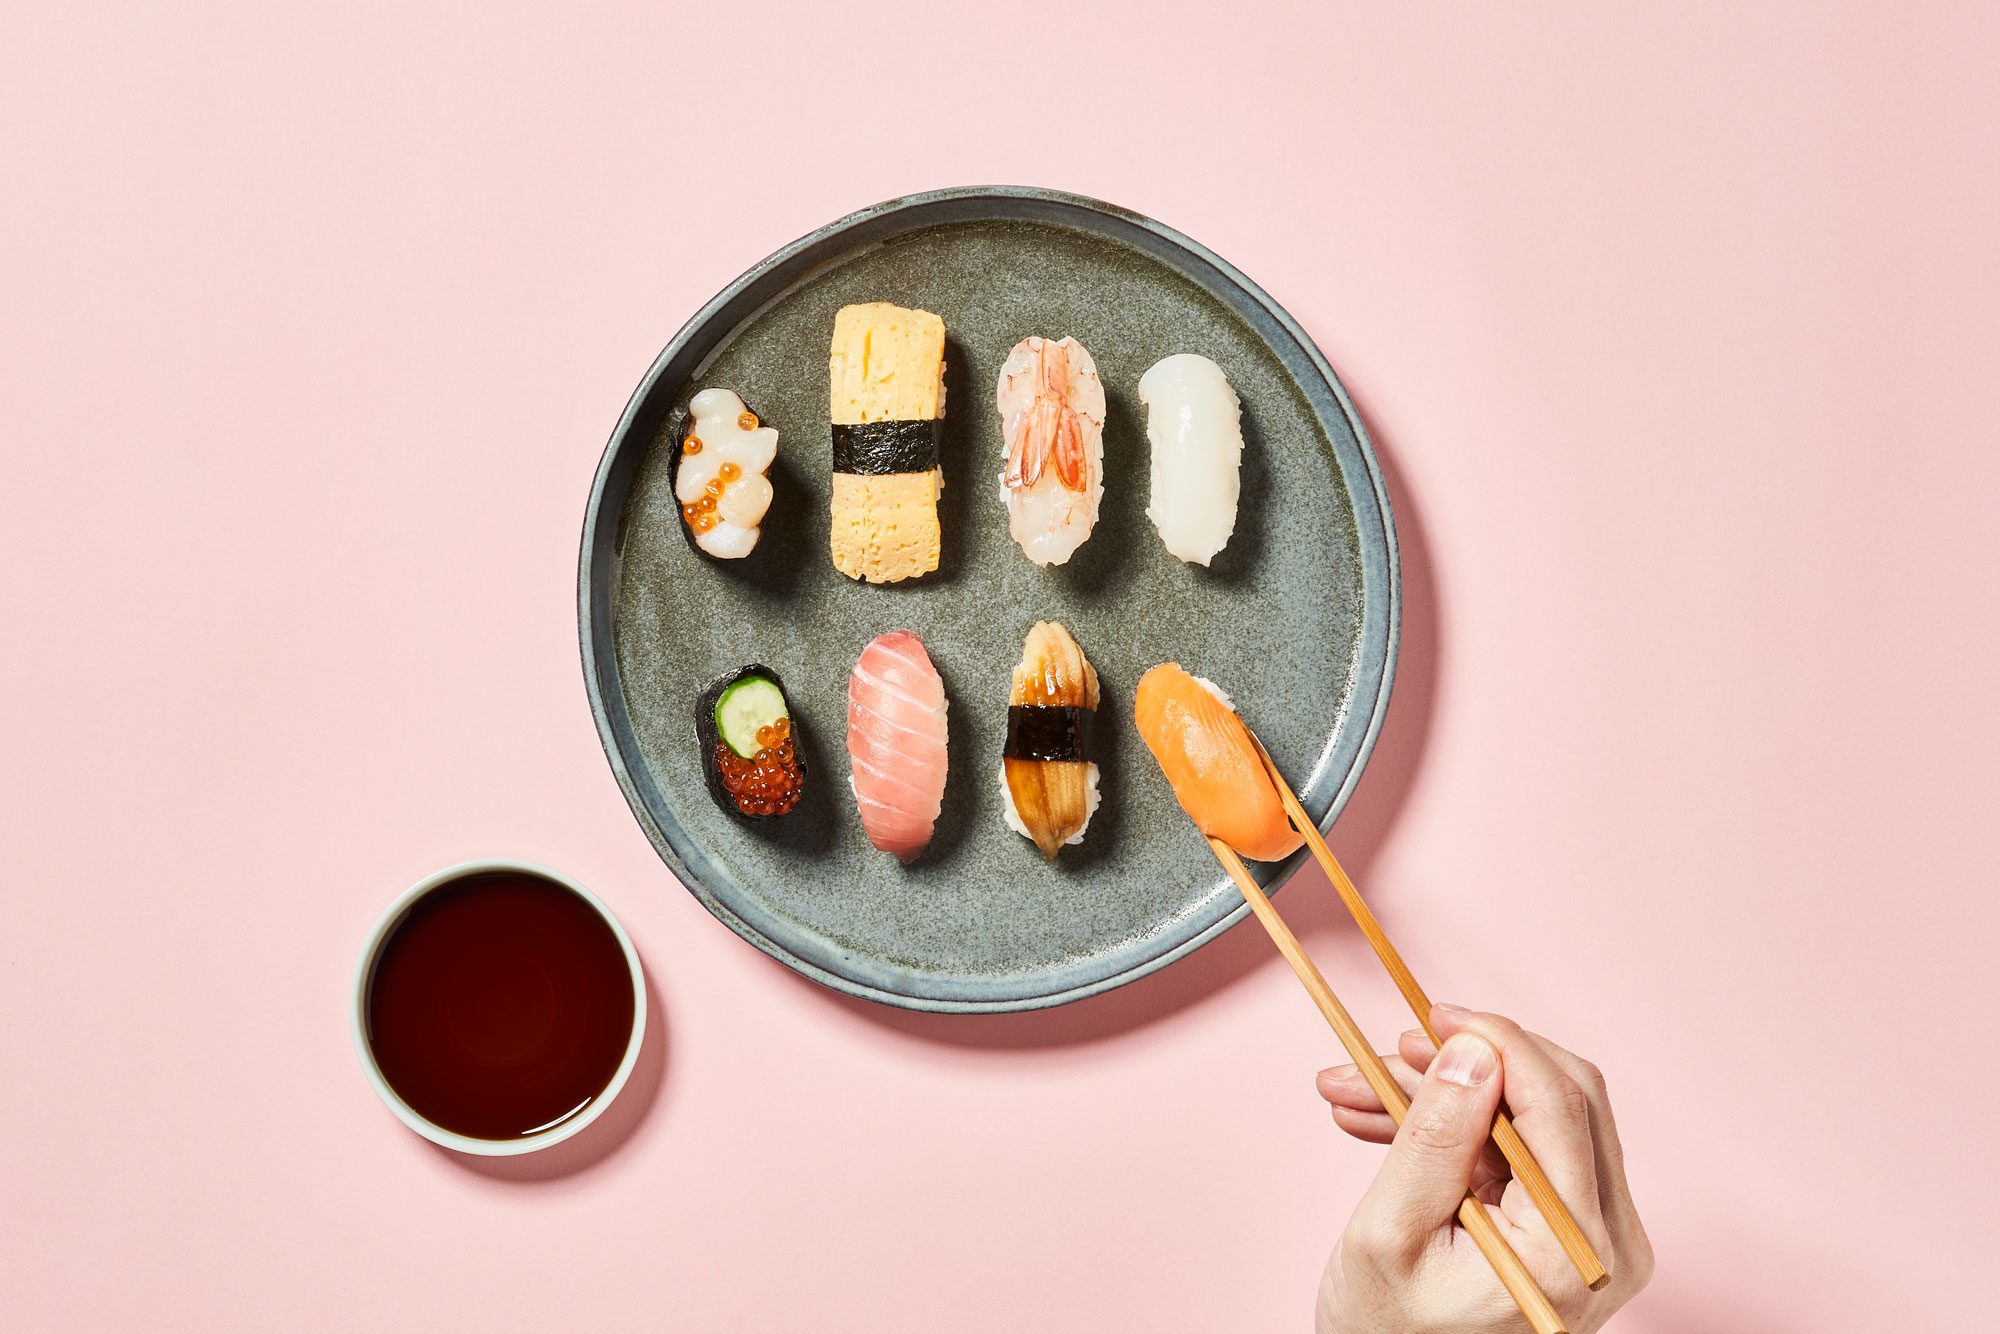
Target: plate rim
(599, 543)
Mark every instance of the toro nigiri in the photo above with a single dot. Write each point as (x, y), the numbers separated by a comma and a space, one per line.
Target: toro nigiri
(896, 739)
(1194, 422)
(1048, 778)
(1211, 762)
(1052, 416)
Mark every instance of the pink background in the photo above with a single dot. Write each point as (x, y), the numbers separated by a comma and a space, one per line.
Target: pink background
(1675, 326)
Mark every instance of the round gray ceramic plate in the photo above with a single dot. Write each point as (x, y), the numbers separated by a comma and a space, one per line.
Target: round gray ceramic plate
(1297, 618)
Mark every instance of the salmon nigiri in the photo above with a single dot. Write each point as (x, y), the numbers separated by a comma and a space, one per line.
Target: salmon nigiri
(896, 739)
(1212, 764)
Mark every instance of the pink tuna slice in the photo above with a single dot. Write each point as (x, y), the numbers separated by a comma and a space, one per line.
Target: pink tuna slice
(896, 739)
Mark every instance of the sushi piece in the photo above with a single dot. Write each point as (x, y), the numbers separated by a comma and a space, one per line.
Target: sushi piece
(1211, 762)
(1194, 422)
(896, 740)
(720, 474)
(1048, 776)
(1052, 416)
(750, 744)
(885, 379)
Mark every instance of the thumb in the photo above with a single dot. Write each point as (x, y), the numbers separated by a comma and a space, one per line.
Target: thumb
(1430, 1162)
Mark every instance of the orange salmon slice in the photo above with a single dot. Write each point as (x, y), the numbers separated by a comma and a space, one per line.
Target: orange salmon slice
(1211, 761)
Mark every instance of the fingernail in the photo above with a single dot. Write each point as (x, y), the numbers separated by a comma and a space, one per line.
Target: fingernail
(1450, 1009)
(1467, 1060)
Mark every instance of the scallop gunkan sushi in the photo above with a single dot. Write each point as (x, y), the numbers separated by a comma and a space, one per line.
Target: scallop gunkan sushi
(896, 740)
(720, 474)
(1052, 418)
(1048, 776)
(1194, 422)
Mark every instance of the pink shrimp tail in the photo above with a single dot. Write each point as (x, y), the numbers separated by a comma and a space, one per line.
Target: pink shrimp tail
(1050, 427)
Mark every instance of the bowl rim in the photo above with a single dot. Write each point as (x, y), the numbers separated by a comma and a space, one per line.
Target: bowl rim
(364, 972)
(769, 280)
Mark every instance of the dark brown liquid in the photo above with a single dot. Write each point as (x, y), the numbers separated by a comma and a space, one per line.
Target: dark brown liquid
(501, 1005)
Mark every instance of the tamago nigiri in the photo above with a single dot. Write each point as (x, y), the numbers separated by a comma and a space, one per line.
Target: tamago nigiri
(1052, 420)
(1211, 762)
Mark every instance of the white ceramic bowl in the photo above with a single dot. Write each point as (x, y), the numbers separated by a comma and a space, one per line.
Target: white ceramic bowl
(357, 1015)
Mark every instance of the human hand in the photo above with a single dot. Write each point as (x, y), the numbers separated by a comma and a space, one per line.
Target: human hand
(1404, 1264)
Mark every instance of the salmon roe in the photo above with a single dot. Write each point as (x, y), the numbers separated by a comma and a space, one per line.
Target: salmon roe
(729, 472)
(747, 422)
(769, 782)
(691, 445)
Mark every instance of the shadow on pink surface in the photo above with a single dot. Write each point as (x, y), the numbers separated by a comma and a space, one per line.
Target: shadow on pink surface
(600, 1141)
(1308, 902)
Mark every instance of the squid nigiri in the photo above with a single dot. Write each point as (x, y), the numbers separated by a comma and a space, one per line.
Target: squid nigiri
(1194, 422)
(1211, 762)
(1052, 416)
(1048, 779)
(896, 740)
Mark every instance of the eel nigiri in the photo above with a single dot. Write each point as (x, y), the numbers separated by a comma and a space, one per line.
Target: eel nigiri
(1211, 762)
(1194, 421)
(885, 377)
(896, 739)
(1048, 780)
(719, 474)
(1052, 416)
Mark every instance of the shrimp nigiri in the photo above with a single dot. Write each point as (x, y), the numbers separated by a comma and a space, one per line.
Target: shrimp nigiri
(1212, 764)
(1052, 414)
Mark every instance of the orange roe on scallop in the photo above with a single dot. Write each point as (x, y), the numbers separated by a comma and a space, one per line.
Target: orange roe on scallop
(729, 472)
(691, 445)
(747, 422)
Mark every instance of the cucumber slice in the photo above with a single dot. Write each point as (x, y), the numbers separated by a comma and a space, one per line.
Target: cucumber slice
(746, 705)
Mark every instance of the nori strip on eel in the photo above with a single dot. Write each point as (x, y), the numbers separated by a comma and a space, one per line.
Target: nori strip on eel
(1049, 732)
(873, 449)
(708, 737)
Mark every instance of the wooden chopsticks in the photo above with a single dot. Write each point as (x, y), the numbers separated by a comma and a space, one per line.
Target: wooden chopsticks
(1520, 1284)
(1526, 1170)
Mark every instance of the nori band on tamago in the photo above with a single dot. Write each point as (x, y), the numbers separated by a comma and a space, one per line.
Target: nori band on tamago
(875, 448)
(1049, 732)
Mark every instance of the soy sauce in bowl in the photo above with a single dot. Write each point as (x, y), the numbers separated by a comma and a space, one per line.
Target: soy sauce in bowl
(501, 1006)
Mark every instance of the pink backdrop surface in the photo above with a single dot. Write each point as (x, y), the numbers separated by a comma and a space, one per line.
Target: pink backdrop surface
(1675, 325)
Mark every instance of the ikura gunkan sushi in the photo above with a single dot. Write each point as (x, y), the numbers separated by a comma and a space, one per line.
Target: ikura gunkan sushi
(1048, 776)
(886, 402)
(720, 469)
(750, 744)
(896, 740)
(1212, 763)
(1194, 421)
(1052, 418)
